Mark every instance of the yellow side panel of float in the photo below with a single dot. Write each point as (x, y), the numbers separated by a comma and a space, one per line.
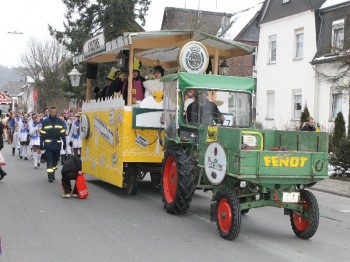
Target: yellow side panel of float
(112, 142)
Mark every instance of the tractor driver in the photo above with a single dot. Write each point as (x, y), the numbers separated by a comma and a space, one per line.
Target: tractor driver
(203, 111)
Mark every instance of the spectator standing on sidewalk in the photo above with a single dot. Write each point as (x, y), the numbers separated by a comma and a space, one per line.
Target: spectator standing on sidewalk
(52, 135)
(309, 125)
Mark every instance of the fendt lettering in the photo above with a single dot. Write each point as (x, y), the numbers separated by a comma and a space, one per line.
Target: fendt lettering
(277, 161)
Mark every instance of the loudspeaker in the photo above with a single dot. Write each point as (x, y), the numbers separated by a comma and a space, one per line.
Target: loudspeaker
(91, 71)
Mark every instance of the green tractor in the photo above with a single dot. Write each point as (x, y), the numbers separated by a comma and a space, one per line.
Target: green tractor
(211, 144)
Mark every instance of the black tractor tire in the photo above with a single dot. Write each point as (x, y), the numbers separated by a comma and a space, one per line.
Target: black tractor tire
(131, 178)
(228, 214)
(305, 225)
(177, 180)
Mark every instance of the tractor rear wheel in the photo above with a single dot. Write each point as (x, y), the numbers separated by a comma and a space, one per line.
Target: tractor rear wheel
(228, 214)
(305, 224)
(177, 180)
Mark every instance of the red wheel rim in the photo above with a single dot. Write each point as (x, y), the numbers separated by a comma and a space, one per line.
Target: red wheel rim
(224, 215)
(301, 223)
(170, 179)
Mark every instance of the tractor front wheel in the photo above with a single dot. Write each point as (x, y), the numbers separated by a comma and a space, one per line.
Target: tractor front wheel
(228, 214)
(305, 224)
(177, 180)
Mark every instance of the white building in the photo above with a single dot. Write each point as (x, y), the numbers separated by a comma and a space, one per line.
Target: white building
(27, 97)
(286, 79)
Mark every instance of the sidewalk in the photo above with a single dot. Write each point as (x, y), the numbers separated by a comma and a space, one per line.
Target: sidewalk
(333, 186)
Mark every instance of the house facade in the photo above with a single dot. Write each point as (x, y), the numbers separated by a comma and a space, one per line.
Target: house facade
(223, 25)
(28, 96)
(285, 78)
(13, 90)
(332, 77)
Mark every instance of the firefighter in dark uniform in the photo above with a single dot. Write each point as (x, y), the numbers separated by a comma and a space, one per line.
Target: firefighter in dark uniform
(52, 135)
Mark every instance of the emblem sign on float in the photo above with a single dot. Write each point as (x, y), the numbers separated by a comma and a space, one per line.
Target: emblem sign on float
(194, 58)
(215, 163)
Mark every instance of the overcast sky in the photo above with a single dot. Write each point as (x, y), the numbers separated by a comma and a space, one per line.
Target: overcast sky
(31, 17)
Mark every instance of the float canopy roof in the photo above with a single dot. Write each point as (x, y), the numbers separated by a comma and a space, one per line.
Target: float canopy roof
(163, 46)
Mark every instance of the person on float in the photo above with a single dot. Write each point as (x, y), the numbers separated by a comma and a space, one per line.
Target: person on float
(102, 94)
(138, 90)
(154, 87)
(116, 85)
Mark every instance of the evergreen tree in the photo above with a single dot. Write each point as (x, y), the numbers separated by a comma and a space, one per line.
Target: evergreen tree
(85, 19)
(339, 130)
(304, 115)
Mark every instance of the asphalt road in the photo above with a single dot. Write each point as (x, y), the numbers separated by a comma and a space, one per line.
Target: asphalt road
(36, 224)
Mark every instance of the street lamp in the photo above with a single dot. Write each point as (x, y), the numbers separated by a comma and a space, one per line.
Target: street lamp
(121, 57)
(224, 67)
(74, 77)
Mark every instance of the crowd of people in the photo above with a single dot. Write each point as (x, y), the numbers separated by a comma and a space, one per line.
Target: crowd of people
(117, 83)
(43, 137)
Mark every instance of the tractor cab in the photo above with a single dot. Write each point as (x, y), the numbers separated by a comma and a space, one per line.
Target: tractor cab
(192, 101)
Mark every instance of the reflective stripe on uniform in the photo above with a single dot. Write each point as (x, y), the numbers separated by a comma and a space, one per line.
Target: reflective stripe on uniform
(47, 127)
(50, 170)
(59, 141)
(42, 131)
(62, 131)
(58, 126)
(48, 140)
(54, 168)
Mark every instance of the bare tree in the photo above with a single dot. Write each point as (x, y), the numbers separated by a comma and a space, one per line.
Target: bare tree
(46, 63)
(337, 73)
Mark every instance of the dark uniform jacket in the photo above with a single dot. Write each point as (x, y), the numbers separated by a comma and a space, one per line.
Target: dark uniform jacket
(51, 134)
(206, 114)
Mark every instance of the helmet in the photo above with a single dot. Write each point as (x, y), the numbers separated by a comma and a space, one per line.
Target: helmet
(111, 74)
(137, 64)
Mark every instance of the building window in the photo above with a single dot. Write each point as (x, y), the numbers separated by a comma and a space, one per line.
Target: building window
(299, 44)
(272, 49)
(337, 35)
(285, 1)
(270, 104)
(297, 103)
(337, 100)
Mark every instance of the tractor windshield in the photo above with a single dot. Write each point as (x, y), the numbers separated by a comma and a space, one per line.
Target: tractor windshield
(213, 107)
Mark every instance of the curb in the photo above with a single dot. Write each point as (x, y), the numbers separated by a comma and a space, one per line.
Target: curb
(330, 192)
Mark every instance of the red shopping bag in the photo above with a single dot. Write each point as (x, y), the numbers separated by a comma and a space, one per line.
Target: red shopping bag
(82, 187)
